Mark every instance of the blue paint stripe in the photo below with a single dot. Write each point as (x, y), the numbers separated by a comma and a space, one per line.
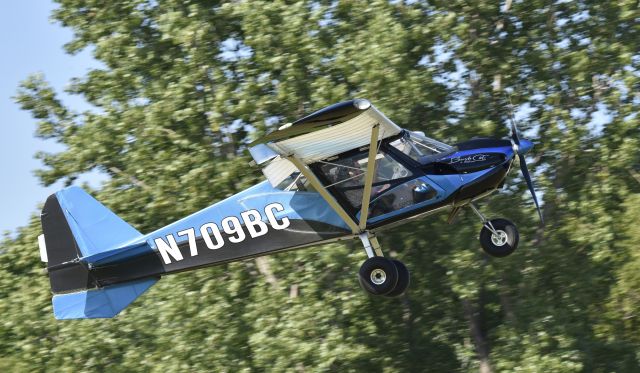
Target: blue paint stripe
(297, 205)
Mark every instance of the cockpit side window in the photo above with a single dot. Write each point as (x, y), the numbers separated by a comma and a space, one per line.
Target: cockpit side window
(295, 182)
(346, 174)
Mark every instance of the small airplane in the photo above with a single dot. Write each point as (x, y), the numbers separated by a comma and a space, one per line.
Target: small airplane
(343, 172)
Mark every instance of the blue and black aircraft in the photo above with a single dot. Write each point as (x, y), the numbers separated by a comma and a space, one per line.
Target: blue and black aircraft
(343, 172)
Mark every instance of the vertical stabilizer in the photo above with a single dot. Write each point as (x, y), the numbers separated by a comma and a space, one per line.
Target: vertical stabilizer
(76, 227)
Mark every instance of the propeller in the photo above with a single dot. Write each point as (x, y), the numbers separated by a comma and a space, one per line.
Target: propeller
(515, 143)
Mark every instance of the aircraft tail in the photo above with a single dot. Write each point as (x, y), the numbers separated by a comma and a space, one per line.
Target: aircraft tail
(80, 232)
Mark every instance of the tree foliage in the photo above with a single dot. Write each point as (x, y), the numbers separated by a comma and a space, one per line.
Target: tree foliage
(184, 86)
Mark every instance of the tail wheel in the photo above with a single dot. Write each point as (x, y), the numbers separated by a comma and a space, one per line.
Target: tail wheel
(378, 275)
(403, 280)
(499, 237)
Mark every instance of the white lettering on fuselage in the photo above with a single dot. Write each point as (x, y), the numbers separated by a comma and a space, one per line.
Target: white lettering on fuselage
(231, 225)
(469, 159)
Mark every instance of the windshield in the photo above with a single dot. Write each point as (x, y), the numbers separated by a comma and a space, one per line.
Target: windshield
(419, 147)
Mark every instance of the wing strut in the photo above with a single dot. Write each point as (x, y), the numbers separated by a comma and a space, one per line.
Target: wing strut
(368, 180)
(323, 192)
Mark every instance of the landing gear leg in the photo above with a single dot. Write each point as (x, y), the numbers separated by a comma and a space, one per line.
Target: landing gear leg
(498, 237)
(371, 244)
(379, 275)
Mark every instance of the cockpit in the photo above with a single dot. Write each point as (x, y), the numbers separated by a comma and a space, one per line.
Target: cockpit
(396, 182)
(346, 174)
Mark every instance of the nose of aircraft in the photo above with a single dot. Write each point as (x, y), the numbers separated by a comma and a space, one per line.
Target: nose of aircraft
(525, 146)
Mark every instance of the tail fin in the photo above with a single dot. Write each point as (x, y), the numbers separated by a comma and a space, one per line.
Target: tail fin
(79, 231)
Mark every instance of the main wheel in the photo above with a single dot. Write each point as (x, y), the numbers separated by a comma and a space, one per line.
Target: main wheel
(378, 275)
(502, 244)
(404, 278)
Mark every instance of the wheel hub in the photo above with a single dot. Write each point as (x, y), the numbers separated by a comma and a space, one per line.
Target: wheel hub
(499, 239)
(378, 276)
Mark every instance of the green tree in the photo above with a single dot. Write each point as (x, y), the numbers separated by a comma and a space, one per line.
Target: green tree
(185, 85)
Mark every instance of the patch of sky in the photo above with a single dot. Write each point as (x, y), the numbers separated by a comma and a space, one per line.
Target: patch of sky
(577, 113)
(621, 87)
(584, 41)
(36, 45)
(425, 60)
(563, 44)
(263, 77)
(599, 119)
(580, 16)
(327, 19)
(139, 101)
(536, 97)
(456, 79)
(630, 68)
(457, 103)
(453, 79)
(517, 24)
(314, 6)
(233, 127)
(272, 120)
(233, 49)
(522, 114)
(93, 179)
(630, 117)
(405, 2)
(441, 53)
(327, 60)
(147, 5)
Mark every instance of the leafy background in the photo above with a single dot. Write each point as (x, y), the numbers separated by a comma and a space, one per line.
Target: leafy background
(184, 86)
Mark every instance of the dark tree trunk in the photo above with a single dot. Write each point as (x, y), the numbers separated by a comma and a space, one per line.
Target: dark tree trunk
(474, 316)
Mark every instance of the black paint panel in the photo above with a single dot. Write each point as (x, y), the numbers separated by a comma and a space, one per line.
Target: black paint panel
(61, 246)
(475, 162)
(490, 180)
(339, 112)
(66, 273)
(323, 118)
(299, 233)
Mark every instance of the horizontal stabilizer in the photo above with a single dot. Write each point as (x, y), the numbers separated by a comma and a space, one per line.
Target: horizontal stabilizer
(105, 302)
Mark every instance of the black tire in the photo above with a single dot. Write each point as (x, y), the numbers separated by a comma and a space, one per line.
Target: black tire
(404, 278)
(500, 247)
(378, 275)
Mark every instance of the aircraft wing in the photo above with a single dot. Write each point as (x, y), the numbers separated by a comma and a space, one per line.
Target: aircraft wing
(333, 130)
(327, 132)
